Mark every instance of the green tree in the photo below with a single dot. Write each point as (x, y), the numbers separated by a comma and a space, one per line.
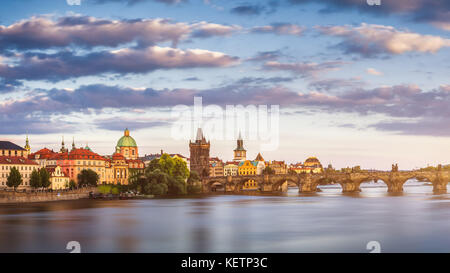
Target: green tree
(14, 178)
(35, 179)
(45, 178)
(268, 170)
(88, 178)
(194, 185)
(165, 175)
(104, 189)
(193, 177)
(115, 190)
(72, 184)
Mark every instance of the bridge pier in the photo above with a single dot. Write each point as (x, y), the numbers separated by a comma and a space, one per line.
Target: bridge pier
(350, 186)
(266, 187)
(440, 187)
(395, 185)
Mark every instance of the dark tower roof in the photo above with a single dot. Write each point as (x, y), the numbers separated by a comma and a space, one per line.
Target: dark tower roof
(7, 145)
(200, 138)
(240, 143)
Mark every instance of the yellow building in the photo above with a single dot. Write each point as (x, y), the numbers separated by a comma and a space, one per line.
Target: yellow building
(249, 167)
(58, 179)
(231, 168)
(311, 165)
(278, 166)
(10, 149)
(22, 164)
(120, 169)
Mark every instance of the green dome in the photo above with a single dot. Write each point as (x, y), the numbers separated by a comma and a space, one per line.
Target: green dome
(126, 140)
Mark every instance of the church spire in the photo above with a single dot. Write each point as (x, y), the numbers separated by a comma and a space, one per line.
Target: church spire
(73, 143)
(63, 148)
(27, 145)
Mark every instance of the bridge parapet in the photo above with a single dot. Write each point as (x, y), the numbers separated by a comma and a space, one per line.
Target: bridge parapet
(350, 182)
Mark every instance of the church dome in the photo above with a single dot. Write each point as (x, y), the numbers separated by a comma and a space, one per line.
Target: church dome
(126, 140)
(312, 161)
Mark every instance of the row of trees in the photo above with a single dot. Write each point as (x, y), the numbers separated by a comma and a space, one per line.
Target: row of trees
(166, 175)
(41, 179)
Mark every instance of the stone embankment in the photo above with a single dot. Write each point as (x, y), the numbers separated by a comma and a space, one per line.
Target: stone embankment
(10, 197)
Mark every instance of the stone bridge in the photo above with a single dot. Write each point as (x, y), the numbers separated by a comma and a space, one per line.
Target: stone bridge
(350, 182)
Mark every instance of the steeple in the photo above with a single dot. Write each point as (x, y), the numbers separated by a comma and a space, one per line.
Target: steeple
(63, 149)
(240, 153)
(27, 145)
(200, 138)
(73, 143)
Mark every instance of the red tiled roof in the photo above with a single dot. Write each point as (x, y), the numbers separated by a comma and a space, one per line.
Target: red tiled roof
(81, 153)
(232, 162)
(16, 160)
(51, 170)
(135, 161)
(43, 154)
(118, 156)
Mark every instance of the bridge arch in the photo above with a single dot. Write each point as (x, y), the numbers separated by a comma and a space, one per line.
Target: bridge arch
(277, 184)
(214, 184)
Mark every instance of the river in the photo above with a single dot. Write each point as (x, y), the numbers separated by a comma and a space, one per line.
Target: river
(328, 221)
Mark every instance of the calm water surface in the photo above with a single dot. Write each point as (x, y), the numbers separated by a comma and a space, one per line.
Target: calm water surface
(329, 221)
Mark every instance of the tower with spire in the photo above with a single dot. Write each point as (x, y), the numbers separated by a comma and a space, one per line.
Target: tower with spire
(240, 153)
(27, 145)
(199, 154)
(63, 148)
(73, 143)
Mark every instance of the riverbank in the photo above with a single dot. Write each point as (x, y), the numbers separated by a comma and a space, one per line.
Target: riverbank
(10, 197)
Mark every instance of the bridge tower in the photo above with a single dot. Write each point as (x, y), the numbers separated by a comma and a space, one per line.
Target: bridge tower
(199, 154)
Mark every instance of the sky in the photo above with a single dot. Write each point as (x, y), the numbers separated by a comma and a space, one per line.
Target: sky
(356, 84)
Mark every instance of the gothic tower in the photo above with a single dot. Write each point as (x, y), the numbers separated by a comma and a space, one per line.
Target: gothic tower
(199, 158)
(240, 153)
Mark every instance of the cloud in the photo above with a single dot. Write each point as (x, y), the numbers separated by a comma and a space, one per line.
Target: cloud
(266, 56)
(336, 84)
(373, 71)
(118, 123)
(280, 29)
(248, 9)
(373, 40)
(206, 30)
(436, 12)
(44, 32)
(65, 65)
(401, 104)
(133, 2)
(304, 69)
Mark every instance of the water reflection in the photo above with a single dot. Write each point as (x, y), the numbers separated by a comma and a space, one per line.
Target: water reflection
(327, 221)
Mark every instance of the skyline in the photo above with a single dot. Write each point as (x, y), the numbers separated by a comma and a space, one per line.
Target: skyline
(356, 84)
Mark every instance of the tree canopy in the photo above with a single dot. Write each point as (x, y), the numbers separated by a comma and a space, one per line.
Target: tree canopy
(165, 175)
(14, 179)
(88, 178)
